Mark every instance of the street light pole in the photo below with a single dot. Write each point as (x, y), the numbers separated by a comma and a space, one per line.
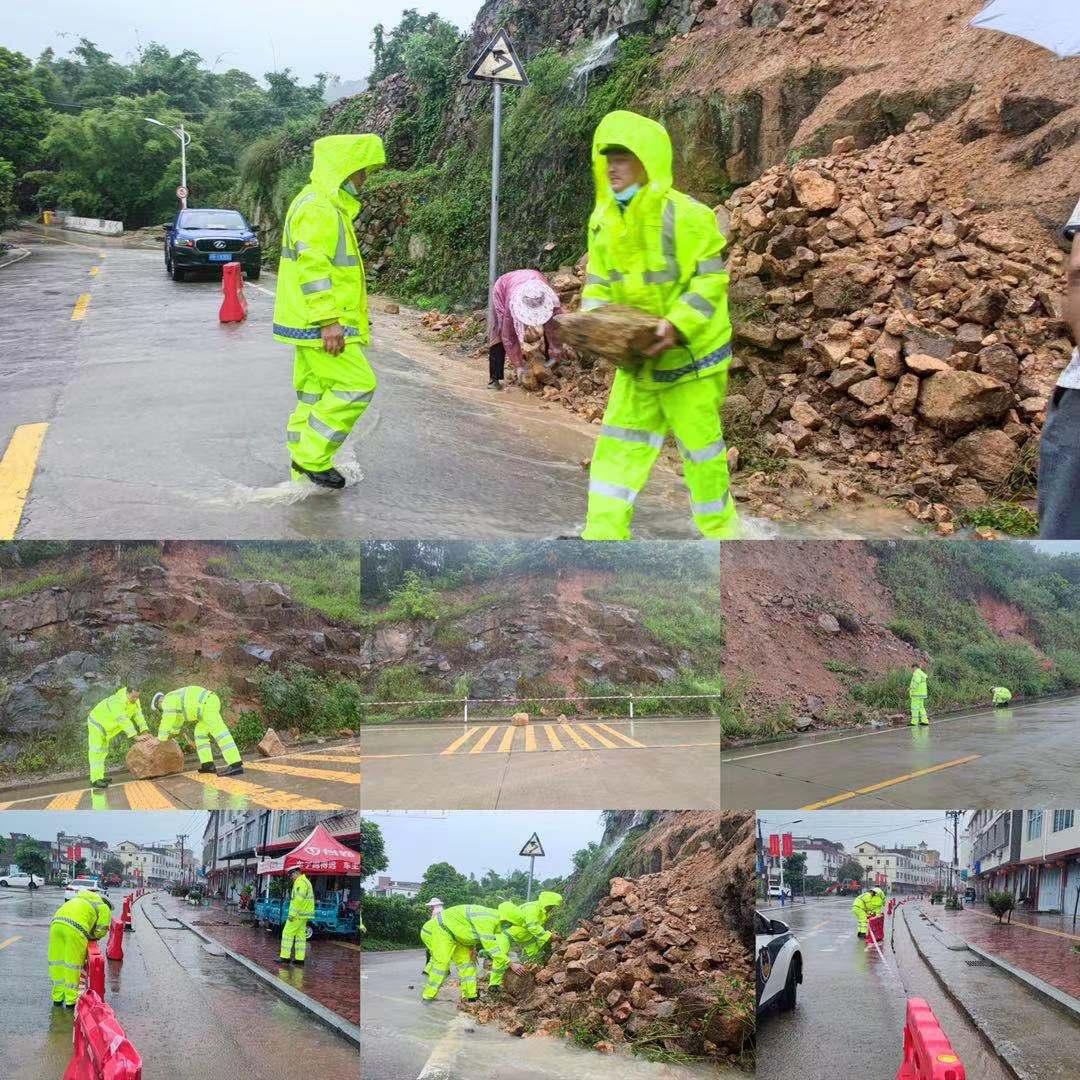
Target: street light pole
(184, 138)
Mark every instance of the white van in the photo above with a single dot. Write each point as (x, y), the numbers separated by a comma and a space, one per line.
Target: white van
(19, 880)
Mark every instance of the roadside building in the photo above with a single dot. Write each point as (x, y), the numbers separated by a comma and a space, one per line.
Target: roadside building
(823, 857)
(386, 886)
(901, 871)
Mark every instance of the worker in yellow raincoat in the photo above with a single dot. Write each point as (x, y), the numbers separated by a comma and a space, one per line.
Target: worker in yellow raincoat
(120, 713)
(917, 690)
(78, 921)
(301, 912)
(660, 251)
(321, 307)
(202, 708)
(455, 935)
(867, 904)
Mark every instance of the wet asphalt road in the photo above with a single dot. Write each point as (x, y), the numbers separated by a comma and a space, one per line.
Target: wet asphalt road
(649, 764)
(314, 779)
(404, 1036)
(187, 1010)
(162, 422)
(849, 1020)
(1023, 755)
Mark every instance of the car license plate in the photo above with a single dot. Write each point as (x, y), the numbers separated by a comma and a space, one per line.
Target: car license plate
(223, 256)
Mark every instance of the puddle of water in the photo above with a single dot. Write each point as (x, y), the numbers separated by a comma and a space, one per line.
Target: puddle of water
(292, 491)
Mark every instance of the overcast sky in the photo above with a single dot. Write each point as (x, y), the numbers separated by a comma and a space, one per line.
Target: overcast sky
(113, 826)
(886, 828)
(476, 841)
(316, 35)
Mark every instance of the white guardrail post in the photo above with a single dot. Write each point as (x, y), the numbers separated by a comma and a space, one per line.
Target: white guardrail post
(465, 724)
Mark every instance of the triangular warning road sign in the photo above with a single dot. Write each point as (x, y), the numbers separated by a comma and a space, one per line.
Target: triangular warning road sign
(498, 63)
(532, 846)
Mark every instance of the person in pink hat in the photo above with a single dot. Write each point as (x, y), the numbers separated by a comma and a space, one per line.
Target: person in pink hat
(520, 299)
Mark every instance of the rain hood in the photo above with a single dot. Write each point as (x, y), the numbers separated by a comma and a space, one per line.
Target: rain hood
(337, 157)
(643, 137)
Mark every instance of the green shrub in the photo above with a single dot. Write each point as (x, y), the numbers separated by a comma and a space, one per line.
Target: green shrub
(415, 598)
(394, 919)
(1001, 903)
(317, 705)
(248, 729)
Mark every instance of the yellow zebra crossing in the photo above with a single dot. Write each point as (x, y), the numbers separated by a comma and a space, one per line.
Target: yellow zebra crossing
(541, 737)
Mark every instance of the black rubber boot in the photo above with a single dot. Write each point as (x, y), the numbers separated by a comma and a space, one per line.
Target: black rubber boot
(232, 770)
(328, 478)
(494, 385)
(298, 962)
(207, 767)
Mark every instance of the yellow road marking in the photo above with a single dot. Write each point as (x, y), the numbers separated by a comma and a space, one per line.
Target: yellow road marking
(553, 739)
(142, 795)
(311, 774)
(349, 759)
(507, 740)
(94, 270)
(484, 740)
(16, 475)
(66, 800)
(260, 796)
(530, 738)
(79, 311)
(460, 741)
(891, 783)
(4, 805)
(598, 737)
(568, 730)
(10, 941)
(1026, 926)
(619, 735)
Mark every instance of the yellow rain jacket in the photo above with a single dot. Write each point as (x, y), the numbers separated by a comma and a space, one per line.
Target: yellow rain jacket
(116, 714)
(321, 275)
(663, 254)
(302, 899)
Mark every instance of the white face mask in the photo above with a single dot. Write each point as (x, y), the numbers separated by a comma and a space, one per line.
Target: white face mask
(626, 194)
(350, 187)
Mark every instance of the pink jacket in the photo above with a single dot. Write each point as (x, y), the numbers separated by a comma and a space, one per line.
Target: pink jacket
(502, 327)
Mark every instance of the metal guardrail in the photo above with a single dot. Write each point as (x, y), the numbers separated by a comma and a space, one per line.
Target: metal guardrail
(574, 706)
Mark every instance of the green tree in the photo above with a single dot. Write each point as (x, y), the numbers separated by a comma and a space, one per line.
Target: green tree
(7, 191)
(23, 113)
(852, 870)
(795, 872)
(30, 858)
(79, 868)
(372, 849)
(109, 162)
(450, 886)
(113, 867)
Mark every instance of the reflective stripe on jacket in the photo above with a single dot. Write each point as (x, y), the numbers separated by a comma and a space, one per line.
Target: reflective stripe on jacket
(471, 924)
(662, 254)
(116, 714)
(321, 274)
(87, 913)
(302, 900)
(184, 706)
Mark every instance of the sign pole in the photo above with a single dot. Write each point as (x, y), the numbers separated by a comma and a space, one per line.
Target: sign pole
(532, 864)
(496, 168)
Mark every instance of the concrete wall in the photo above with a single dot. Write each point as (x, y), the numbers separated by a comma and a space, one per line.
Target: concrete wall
(101, 226)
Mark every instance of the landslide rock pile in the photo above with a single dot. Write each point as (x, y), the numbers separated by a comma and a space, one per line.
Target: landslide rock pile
(665, 960)
(890, 326)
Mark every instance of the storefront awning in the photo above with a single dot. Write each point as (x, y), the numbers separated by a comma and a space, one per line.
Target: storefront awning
(320, 853)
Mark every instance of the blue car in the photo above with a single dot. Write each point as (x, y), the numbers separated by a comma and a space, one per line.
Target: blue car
(206, 239)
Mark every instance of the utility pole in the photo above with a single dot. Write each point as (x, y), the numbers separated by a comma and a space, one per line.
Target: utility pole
(213, 854)
(181, 838)
(954, 816)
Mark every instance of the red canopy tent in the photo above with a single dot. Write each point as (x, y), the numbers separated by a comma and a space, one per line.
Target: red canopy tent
(320, 853)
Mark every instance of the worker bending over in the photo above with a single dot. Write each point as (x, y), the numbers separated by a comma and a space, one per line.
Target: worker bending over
(119, 713)
(866, 905)
(201, 707)
(454, 935)
(77, 922)
(1000, 695)
(526, 924)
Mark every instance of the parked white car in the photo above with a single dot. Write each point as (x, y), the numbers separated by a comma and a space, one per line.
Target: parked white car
(779, 964)
(77, 885)
(20, 880)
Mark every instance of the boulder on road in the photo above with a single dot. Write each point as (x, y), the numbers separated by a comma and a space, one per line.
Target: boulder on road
(988, 454)
(270, 745)
(149, 757)
(815, 191)
(520, 719)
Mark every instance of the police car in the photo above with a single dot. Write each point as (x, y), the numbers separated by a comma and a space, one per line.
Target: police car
(779, 964)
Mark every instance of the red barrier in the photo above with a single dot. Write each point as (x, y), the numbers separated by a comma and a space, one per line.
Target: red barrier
(928, 1054)
(125, 916)
(100, 1050)
(114, 948)
(875, 928)
(94, 969)
(234, 304)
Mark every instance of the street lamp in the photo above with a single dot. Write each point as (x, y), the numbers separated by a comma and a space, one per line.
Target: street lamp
(184, 138)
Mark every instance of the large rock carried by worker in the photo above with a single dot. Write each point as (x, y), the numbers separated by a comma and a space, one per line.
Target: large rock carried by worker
(150, 757)
(617, 333)
(270, 745)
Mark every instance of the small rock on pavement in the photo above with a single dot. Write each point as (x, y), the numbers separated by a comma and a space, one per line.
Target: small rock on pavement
(271, 745)
(149, 757)
(802, 723)
(391, 309)
(520, 719)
